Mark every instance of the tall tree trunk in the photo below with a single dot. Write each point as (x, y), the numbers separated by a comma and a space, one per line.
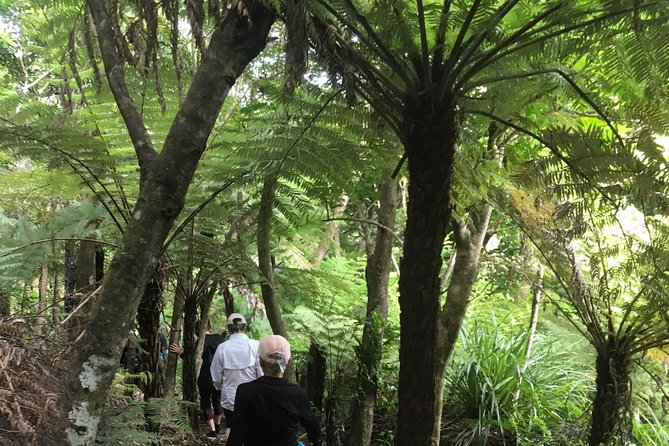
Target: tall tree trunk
(41, 303)
(189, 375)
(25, 295)
(468, 244)
(534, 320)
(176, 325)
(164, 179)
(69, 276)
(612, 397)
(316, 375)
(5, 302)
(429, 145)
(55, 308)
(85, 267)
(148, 324)
(228, 298)
(265, 263)
(377, 274)
(99, 263)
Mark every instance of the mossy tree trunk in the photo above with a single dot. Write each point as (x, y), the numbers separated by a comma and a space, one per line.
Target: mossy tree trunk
(377, 273)
(164, 179)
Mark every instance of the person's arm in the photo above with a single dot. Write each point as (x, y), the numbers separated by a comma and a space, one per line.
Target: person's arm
(216, 369)
(309, 420)
(239, 421)
(174, 348)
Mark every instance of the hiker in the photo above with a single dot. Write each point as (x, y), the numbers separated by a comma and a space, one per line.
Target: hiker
(210, 397)
(235, 363)
(269, 410)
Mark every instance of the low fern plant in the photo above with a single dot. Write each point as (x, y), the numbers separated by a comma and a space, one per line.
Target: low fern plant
(130, 420)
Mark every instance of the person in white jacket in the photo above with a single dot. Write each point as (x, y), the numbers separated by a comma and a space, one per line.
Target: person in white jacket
(235, 362)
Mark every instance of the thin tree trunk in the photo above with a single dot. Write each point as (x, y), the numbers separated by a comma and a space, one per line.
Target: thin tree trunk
(612, 397)
(331, 235)
(316, 375)
(468, 242)
(189, 375)
(265, 263)
(377, 274)
(175, 335)
(429, 145)
(228, 298)
(55, 309)
(25, 296)
(41, 303)
(5, 303)
(164, 181)
(69, 276)
(99, 263)
(534, 319)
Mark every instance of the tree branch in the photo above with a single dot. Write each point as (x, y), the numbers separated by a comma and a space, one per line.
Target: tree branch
(139, 135)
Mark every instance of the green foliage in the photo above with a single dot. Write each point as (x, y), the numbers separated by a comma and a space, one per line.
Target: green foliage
(130, 420)
(493, 400)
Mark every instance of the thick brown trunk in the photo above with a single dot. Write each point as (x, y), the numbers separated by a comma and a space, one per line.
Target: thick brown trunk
(165, 178)
(429, 144)
(265, 264)
(41, 303)
(377, 274)
(612, 397)
(174, 338)
(148, 324)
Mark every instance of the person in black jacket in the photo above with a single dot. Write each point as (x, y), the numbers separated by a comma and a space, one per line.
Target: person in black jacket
(210, 398)
(269, 410)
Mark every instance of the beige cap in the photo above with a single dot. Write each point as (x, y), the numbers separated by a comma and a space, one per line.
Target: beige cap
(274, 345)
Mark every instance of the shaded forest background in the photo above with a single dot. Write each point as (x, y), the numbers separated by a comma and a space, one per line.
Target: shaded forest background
(456, 211)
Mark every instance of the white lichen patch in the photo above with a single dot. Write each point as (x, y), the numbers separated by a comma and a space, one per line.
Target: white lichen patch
(86, 424)
(94, 370)
(137, 215)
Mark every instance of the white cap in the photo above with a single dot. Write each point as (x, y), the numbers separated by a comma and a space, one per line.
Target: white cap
(233, 316)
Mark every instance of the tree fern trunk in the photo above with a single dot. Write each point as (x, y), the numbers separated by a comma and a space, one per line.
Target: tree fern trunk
(377, 274)
(41, 303)
(148, 323)
(174, 338)
(69, 276)
(612, 395)
(5, 302)
(429, 145)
